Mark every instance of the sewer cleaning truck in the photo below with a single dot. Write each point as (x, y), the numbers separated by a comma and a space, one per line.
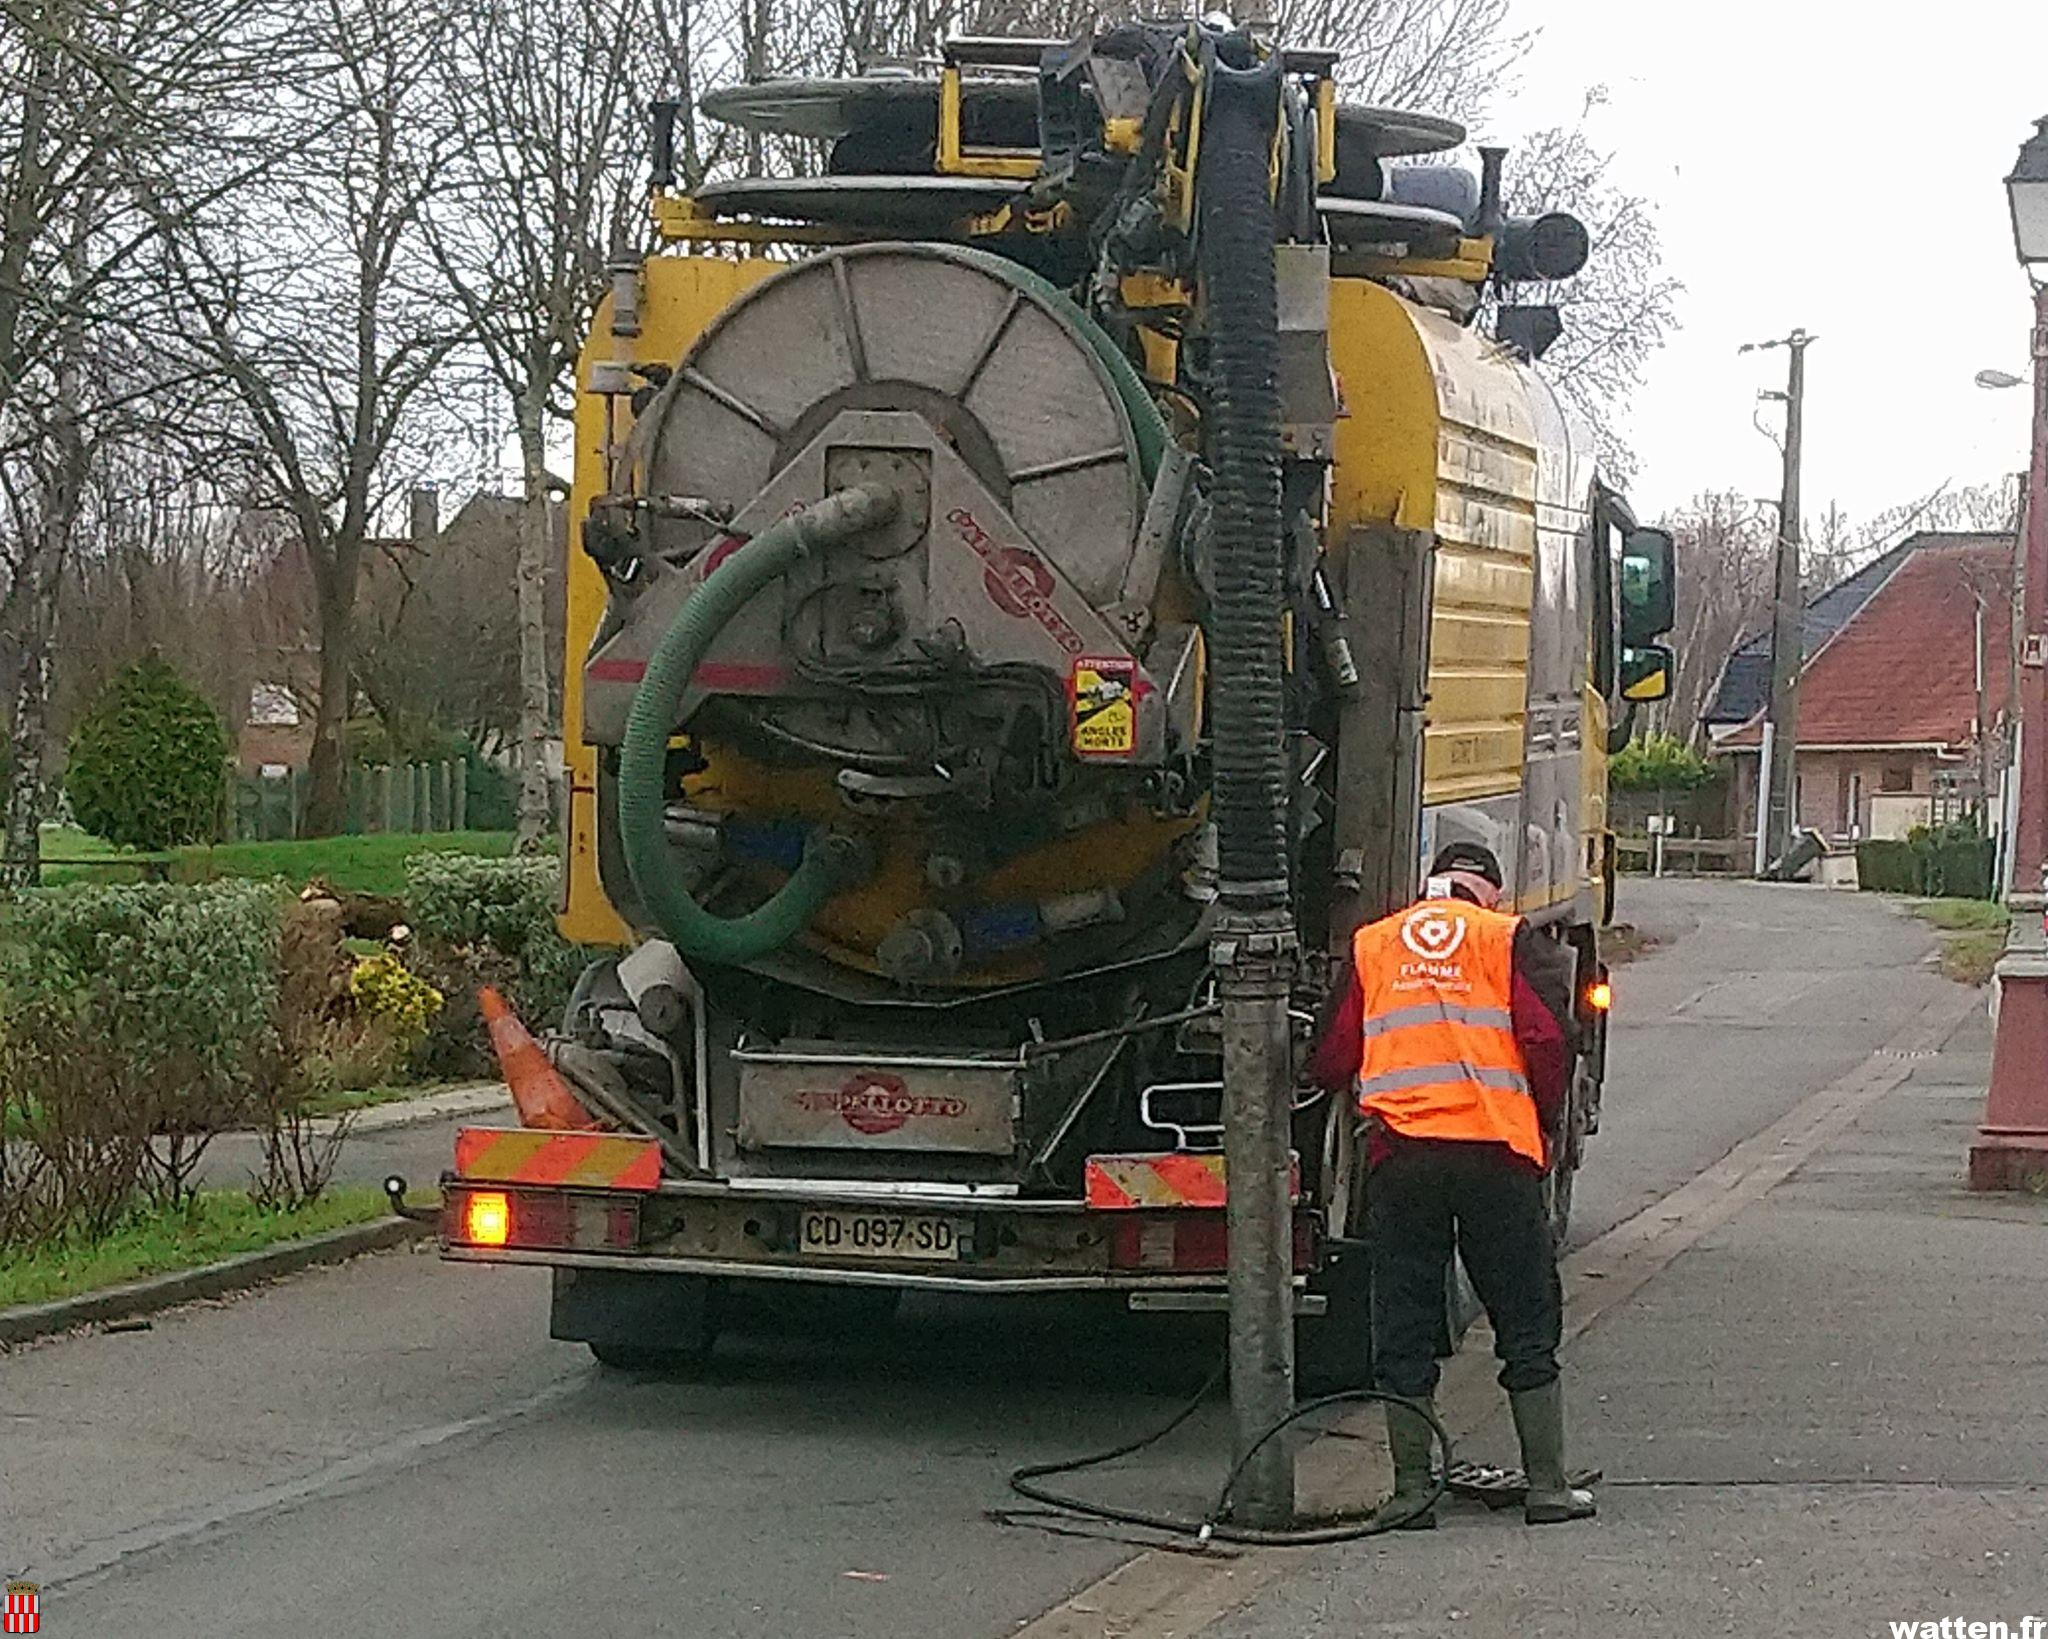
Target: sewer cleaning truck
(1104, 440)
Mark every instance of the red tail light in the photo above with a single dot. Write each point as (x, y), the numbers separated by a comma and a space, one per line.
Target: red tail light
(554, 1220)
(1187, 1243)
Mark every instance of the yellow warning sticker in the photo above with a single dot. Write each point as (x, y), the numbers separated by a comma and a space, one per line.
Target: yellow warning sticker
(1104, 693)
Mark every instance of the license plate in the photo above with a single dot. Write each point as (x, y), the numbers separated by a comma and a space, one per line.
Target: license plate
(880, 1235)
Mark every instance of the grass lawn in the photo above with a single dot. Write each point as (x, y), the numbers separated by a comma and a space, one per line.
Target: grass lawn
(218, 1224)
(1973, 935)
(367, 864)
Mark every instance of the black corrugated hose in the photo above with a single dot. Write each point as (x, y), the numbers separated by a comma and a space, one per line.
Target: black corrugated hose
(1247, 711)
(1248, 689)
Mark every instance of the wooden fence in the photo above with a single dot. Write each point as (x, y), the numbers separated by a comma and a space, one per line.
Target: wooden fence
(381, 797)
(1686, 856)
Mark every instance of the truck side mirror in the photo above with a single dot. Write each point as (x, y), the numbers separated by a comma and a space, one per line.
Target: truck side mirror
(1646, 673)
(1649, 583)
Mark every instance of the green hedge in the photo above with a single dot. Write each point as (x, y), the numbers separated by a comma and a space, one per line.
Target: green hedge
(182, 979)
(1932, 865)
(135, 1022)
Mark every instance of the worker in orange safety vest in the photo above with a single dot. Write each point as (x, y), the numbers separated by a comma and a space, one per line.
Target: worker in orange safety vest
(1454, 1031)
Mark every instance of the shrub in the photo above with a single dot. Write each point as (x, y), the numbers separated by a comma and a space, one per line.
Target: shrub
(138, 1021)
(1660, 762)
(148, 762)
(386, 994)
(184, 978)
(478, 921)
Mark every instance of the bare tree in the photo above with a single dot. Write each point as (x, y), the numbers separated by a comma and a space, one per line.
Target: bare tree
(551, 91)
(1620, 307)
(1725, 542)
(1447, 57)
(311, 305)
(1991, 506)
(440, 627)
(96, 98)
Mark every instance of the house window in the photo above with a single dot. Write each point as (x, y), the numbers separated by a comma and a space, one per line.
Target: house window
(271, 706)
(1896, 777)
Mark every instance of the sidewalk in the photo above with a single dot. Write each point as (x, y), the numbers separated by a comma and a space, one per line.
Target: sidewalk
(1829, 1414)
(414, 1138)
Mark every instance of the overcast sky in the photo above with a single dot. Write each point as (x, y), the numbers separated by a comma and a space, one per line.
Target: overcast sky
(1817, 163)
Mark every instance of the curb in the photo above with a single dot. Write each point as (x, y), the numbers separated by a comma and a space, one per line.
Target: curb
(144, 1297)
(484, 1098)
(481, 1098)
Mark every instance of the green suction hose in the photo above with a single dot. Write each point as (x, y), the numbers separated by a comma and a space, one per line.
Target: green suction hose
(828, 861)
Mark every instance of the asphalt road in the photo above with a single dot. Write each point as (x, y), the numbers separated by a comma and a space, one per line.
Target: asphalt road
(394, 1447)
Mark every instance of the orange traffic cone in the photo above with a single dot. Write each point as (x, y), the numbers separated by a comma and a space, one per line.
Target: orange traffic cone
(538, 1090)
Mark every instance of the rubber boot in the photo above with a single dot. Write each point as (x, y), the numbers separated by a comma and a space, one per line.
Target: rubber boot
(1412, 1445)
(1539, 1425)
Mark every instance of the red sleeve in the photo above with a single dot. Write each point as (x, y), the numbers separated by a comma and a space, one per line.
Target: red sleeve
(1541, 1039)
(1341, 1047)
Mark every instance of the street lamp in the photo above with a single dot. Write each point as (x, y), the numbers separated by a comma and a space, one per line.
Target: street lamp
(2011, 1150)
(2027, 188)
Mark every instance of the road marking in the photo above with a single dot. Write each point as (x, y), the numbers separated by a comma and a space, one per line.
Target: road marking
(1174, 1596)
(97, 1559)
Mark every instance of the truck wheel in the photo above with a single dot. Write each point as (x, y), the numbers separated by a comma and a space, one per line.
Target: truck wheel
(638, 1358)
(1333, 1350)
(806, 1309)
(637, 1321)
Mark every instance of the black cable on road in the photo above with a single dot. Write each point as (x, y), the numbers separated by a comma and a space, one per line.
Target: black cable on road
(1215, 1525)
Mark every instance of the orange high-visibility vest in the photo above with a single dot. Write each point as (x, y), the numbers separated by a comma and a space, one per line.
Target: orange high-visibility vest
(1440, 1058)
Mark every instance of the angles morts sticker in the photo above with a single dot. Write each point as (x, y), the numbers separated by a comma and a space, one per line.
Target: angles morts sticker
(1103, 693)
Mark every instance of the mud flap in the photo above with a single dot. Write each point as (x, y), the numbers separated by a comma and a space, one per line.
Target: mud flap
(1333, 1350)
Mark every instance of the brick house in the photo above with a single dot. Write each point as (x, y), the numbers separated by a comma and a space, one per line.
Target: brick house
(454, 589)
(1904, 695)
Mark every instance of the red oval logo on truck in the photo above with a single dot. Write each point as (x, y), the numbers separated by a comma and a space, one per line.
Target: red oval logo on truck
(873, 1103)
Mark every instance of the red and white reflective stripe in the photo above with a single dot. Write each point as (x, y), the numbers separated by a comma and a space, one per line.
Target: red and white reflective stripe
(1132, 1183)
(525, 1155)
(1125, 1183)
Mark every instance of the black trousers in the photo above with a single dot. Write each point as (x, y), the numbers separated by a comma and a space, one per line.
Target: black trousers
(1428, 1196)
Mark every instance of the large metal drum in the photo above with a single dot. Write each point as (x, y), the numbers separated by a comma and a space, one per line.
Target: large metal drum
(1012, 375)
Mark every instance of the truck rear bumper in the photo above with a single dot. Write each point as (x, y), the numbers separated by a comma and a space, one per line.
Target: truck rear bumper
(839, 1274)
(985, 1246)
(598, 1202)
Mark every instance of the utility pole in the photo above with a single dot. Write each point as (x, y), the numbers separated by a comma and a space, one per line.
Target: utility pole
(1788, 614)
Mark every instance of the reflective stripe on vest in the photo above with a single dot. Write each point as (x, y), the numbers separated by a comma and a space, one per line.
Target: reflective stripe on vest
(1439, 1057)
(1441, 1012)
(1428, 1075)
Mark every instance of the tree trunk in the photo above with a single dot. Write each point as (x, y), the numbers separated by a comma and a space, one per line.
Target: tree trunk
(326, 810)
(536, 546)
(60, 489)
(21, 856)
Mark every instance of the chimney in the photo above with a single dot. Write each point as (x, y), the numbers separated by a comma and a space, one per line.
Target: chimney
(426, 515)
